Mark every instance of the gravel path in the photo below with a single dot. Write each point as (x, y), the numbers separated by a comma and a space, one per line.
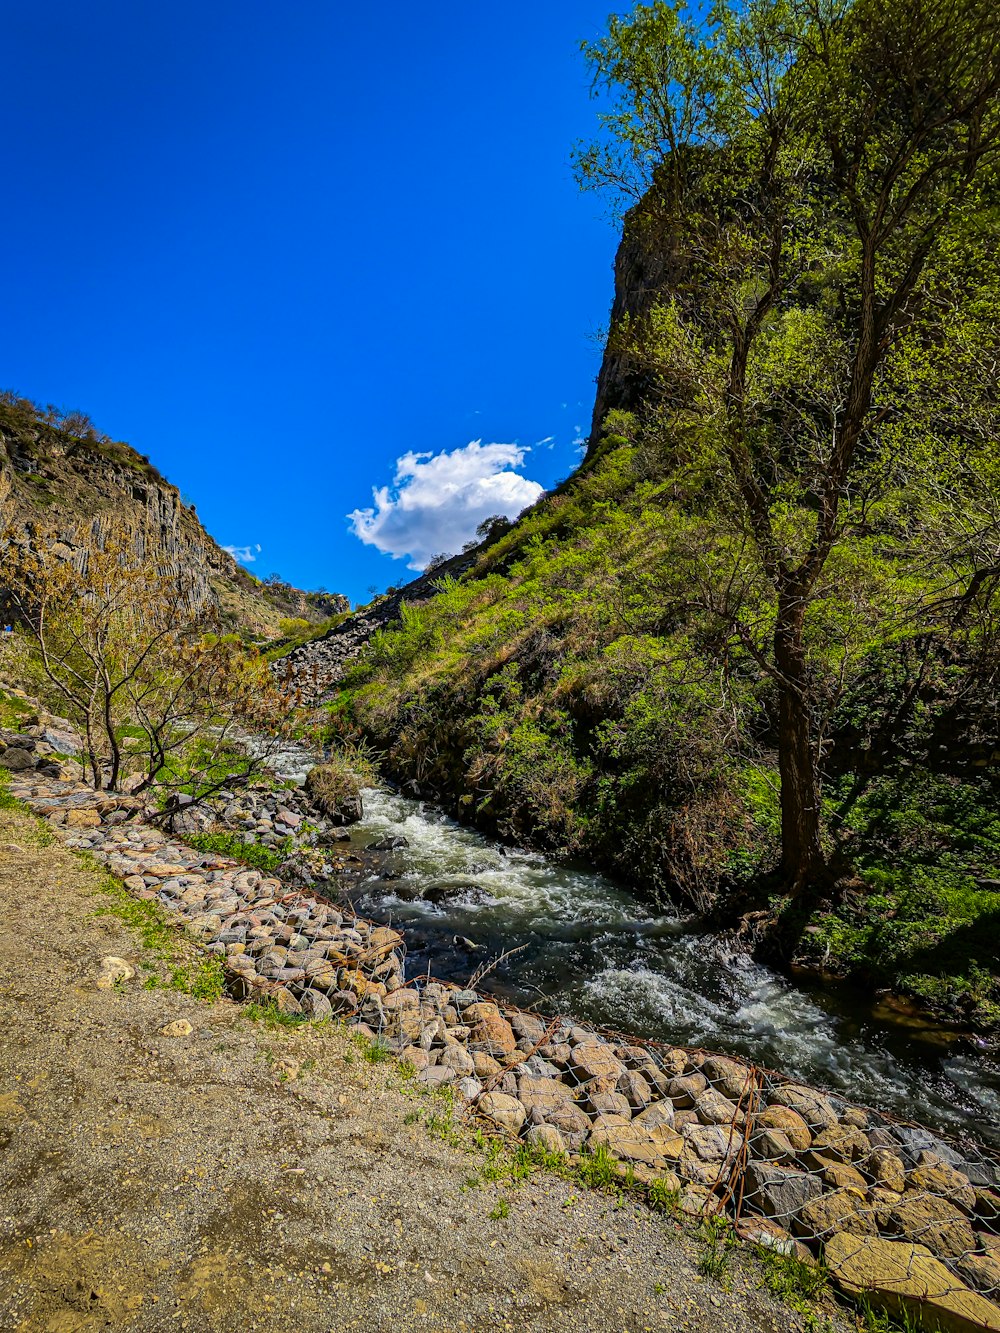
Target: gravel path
(240, 1177)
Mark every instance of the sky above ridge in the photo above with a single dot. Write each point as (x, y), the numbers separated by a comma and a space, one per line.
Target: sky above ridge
(325, 264)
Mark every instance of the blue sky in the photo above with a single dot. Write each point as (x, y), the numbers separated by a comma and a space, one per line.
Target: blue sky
(297, 253)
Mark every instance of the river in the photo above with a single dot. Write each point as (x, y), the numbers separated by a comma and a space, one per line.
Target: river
(589, 947)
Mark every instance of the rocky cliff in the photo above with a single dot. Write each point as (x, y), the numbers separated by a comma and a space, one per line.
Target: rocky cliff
(647, 266)
(61, 470)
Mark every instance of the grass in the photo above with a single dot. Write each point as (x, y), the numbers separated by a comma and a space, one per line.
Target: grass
(191, 972)
(718, 1240)
(799, 1285)
(264, 859)
(13, 711)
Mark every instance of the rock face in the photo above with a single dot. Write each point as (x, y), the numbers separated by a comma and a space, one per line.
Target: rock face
(646, 268)
(59, 478)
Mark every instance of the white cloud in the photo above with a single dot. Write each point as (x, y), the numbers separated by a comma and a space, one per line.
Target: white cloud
(246, 555)
(436, 501)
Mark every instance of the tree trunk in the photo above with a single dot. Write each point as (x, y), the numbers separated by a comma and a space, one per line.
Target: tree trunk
(802, 859)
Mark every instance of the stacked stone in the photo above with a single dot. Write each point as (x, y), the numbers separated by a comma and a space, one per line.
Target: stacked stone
(802, 1171)
(309, 955)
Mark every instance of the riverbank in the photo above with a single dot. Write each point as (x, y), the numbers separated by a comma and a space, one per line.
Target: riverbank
(793, 1168)
(169, 1164)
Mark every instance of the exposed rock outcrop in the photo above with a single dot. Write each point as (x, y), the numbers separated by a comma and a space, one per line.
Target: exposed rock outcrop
(59, 478)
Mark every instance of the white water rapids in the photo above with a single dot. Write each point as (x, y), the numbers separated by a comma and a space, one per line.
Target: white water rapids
(591, 948)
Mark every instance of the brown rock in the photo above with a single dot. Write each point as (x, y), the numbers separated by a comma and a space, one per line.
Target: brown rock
(815, 1109)
(686, 1089)
(629, 1142)
(659, 1113)
(729, 1077)
(789, 1122)
(634, 1088)
(933, 1222)
(772, 1145)
(84, 819)
(842, 1144)
(601, 1097)
(507, 1112)
(489, 1031)
(886, 1169)
(906, 1279)
(542, 1093)
(570, 1121)
(712, 1108)
(938, 1177)
(842, 1210)
(844, 1177)
(595, 1059)
(981, 1272)
(485, 1066)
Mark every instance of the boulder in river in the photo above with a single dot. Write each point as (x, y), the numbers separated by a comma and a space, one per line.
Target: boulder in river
(468, 895)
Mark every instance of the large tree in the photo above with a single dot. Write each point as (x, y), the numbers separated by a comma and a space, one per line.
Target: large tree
(822, 176)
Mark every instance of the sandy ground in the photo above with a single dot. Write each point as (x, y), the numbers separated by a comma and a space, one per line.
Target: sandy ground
(247, 1178)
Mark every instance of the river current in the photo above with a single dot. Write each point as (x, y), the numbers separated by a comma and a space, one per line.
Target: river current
(588, 947)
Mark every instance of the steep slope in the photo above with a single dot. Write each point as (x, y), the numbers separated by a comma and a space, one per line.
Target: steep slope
(61, 471)
(571, 691)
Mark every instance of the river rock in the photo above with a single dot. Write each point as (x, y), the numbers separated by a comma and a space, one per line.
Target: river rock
(436, 1076)
(571, 1122)
(595, 1059)
(778, 1191)
(843, 1177)
(789, 1123)
(602, 1098)
(727, 1076)
(981, 1272)
(843, 1210)
(842, 1144)
(543, 1093)
(315, 1005)
(474, 895)
(930, 1221)
(686, 1089)
(659, 1113)
(528, 1027)
(815, 1109)
(507, 1112)
(906, 1279)
(936, 1176)
(485, 1066)
(546, 1137)
(772, 1145)
(458, 1058)
(886, 1169)
(489, 1030)
(712, 1108)
(635, 1089)
(634, 1143)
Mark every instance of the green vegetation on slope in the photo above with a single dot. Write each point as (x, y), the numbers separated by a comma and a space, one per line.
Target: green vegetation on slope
(559, 696)
(750, 657)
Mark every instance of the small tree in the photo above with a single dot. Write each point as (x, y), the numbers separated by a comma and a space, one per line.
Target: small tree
(820, 178)
(494, 526)
(127, 647)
